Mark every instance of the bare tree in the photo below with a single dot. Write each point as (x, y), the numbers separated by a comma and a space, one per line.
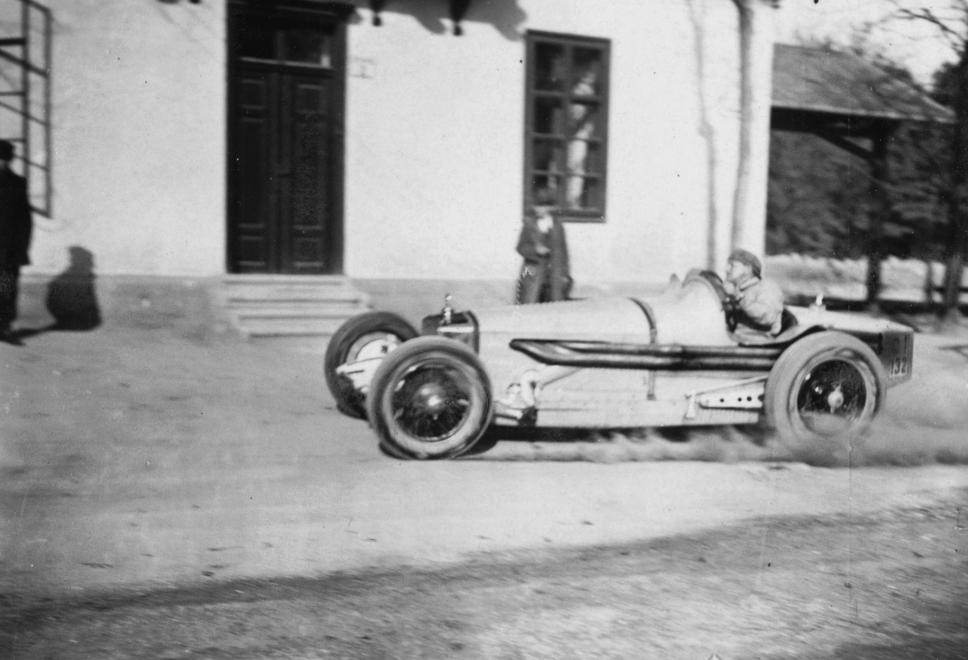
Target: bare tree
(745, 9)
(951, 22)
(753, 18)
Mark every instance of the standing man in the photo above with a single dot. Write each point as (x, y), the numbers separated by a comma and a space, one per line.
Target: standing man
(545, 275)
(759, 302)
(15, 229)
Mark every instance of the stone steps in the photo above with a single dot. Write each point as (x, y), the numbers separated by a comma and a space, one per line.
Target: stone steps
(265, 307)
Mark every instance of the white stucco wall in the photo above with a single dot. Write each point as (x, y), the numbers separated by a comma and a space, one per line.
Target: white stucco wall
(435, 128)
(434, 137)
(138, 138)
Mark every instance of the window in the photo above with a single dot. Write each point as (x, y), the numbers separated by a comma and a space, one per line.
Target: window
(286, 44)
(565, 130)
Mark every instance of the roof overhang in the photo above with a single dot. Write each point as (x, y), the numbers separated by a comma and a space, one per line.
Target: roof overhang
(835, 90)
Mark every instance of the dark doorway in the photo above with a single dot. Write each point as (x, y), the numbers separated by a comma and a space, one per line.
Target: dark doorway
(285, 138)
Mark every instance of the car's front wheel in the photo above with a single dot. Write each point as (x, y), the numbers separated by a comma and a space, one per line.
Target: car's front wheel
(430, 398)
(822, 394)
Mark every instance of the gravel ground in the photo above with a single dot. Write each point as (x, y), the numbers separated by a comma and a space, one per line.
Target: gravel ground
(885, 586)
(144, 458)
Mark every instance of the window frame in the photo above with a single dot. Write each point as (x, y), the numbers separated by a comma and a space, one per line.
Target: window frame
(279, 30)
(569, 42)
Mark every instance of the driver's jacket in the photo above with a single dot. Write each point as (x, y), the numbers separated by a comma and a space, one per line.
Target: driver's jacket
(760, 305)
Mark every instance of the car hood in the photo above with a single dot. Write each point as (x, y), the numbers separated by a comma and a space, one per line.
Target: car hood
(688, 314)
(601, 319)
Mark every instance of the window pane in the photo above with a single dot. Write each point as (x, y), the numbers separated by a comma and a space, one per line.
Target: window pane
(307, 46)
(584, 157)
(547, 116)
(550, 67)
(257, 41)
(587, 71)
(583, 120)
(576, 162)
(546, 156)
(541, 182)
(583, 193)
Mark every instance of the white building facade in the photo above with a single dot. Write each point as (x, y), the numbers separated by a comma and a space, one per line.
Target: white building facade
(367, 139)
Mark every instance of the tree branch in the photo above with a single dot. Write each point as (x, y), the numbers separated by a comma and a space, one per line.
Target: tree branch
(954, 38)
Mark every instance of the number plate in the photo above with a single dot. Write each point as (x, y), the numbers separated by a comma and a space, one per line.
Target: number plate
(898, 355)
(899, 368)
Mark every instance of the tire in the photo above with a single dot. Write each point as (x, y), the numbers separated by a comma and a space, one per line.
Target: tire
(430, 399)
(823, 393)
(365, 335)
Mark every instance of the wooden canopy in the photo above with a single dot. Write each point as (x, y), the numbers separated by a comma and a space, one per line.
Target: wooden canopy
(855, 105)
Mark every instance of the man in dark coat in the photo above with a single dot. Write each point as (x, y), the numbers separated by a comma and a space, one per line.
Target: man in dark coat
(545, 275)
(15, 230)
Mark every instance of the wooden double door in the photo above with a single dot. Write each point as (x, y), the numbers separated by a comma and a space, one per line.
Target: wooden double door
(285, 140)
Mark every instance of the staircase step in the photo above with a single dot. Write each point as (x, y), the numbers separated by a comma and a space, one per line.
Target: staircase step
(274, 307)
(268, 278)
(289, 327)
(283, 313)
(274, 297)
(327, 307)
(280, 287)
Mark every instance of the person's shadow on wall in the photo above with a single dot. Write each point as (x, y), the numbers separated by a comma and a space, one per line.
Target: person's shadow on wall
(71, 296)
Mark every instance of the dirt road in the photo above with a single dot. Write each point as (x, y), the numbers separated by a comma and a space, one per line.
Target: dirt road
(888, 586)
(178, 468)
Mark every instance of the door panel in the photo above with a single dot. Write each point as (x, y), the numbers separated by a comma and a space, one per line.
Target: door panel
(254, 195)
(305, 204)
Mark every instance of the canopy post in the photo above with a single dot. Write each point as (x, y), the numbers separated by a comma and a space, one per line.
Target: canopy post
(880, 209)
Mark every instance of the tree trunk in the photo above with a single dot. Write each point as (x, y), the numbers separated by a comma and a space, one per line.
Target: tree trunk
(954, 270)
(752, 170)
(957, 198)
(880, 210)
(744, 166)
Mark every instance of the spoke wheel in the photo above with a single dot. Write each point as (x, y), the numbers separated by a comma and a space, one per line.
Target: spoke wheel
(834, 396)
(823, 393)
(371, 335)
(430, 399)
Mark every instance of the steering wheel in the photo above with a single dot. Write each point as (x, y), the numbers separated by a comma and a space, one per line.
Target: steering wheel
(730, 306)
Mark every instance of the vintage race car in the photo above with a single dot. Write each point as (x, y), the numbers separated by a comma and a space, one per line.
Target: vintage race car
(668, 360)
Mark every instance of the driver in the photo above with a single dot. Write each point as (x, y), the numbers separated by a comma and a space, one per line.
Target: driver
(758, 302)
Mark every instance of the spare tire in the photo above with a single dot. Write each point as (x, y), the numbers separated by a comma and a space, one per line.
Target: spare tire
(368, 335)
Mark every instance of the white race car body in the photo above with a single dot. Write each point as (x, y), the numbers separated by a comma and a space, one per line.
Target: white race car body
(704, 375)
(664, 360)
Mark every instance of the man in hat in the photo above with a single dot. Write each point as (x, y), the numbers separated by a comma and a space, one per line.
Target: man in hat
(15, 230)
(759, 302)
(545, 275)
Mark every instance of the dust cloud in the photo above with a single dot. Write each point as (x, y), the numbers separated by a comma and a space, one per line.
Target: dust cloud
(887, 443)
(924, 422)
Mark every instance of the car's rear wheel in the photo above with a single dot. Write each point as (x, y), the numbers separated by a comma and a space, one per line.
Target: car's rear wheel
(823, 393)
(370, 335)
(431, 398)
